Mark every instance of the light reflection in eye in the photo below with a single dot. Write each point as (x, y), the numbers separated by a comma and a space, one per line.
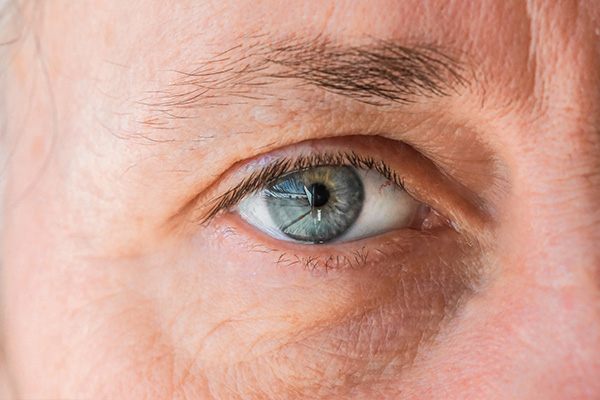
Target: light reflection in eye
(329, 203)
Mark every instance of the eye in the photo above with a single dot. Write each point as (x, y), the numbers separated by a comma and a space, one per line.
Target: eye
(328, 203)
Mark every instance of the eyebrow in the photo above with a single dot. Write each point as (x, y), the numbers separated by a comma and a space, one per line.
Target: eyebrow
(377, 73)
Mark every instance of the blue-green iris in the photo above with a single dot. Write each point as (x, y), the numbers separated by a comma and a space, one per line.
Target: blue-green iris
(317, 204)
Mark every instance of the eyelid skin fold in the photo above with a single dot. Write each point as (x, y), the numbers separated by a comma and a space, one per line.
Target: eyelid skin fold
(395, 160)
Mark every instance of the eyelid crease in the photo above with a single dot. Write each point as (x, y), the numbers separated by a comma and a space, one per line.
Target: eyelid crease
(260, 178)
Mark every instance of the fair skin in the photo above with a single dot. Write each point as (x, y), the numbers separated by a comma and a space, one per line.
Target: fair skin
(115, 286)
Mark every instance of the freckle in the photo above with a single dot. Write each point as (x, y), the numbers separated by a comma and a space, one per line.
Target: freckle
(38, 147)
(109, 35)
(568, 300)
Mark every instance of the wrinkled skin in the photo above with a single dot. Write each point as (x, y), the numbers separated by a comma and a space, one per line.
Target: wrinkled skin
(113, 288)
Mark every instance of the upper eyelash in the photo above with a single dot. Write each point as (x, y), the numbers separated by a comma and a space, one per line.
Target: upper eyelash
(258, 180)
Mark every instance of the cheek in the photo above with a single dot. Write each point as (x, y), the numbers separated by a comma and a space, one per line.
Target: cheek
(75, 331)
(216, 309)
(236, 311)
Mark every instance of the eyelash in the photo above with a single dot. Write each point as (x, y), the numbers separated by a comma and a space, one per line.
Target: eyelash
(353, 260)
(259, 179)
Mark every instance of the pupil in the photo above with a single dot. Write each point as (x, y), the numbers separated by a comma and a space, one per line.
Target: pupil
(320, 195)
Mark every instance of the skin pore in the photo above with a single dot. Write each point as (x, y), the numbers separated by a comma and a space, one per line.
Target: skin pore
(127, 121)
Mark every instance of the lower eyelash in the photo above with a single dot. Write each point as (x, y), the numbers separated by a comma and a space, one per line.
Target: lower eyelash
(315, 263)
(380, 258)
(323, 264)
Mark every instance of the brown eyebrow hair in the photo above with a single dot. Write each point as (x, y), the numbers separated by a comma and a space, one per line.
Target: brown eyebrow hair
(378, 73)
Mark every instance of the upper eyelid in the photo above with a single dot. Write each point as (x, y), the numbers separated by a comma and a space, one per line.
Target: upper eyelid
(421, 177)
(258, 179)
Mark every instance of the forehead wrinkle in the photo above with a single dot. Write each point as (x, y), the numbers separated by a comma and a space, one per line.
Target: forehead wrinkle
(377, 73)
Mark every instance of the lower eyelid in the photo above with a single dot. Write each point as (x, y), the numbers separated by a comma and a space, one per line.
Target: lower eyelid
(325, 258)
